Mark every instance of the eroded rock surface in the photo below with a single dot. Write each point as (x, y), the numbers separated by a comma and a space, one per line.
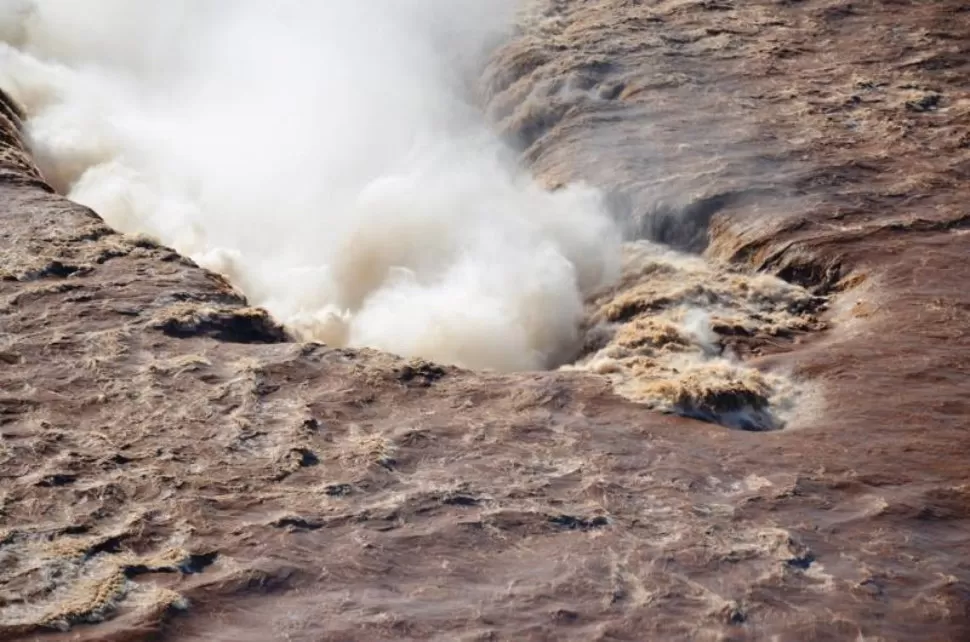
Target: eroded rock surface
(171, 467)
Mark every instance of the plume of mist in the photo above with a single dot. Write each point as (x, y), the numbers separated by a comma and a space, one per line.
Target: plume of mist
(326, 155)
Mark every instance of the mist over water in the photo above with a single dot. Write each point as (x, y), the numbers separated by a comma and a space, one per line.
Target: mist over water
(327, 156)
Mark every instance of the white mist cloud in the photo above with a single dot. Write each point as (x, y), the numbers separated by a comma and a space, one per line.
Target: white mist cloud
(324, 155)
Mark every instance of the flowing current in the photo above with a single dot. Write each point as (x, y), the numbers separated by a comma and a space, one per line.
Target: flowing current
(327, 156)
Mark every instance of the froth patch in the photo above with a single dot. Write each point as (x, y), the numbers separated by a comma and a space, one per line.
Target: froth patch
(664, 337)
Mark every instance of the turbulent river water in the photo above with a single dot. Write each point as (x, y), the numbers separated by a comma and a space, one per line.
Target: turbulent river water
(519, 320)
(334, 162)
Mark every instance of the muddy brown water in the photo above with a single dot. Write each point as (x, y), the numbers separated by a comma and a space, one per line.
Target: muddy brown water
(172, 468)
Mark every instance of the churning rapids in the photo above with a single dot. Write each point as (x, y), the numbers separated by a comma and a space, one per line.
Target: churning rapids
(503, 244)
(332, 160)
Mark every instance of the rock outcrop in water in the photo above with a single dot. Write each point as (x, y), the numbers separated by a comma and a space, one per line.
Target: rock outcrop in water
(171, 467)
